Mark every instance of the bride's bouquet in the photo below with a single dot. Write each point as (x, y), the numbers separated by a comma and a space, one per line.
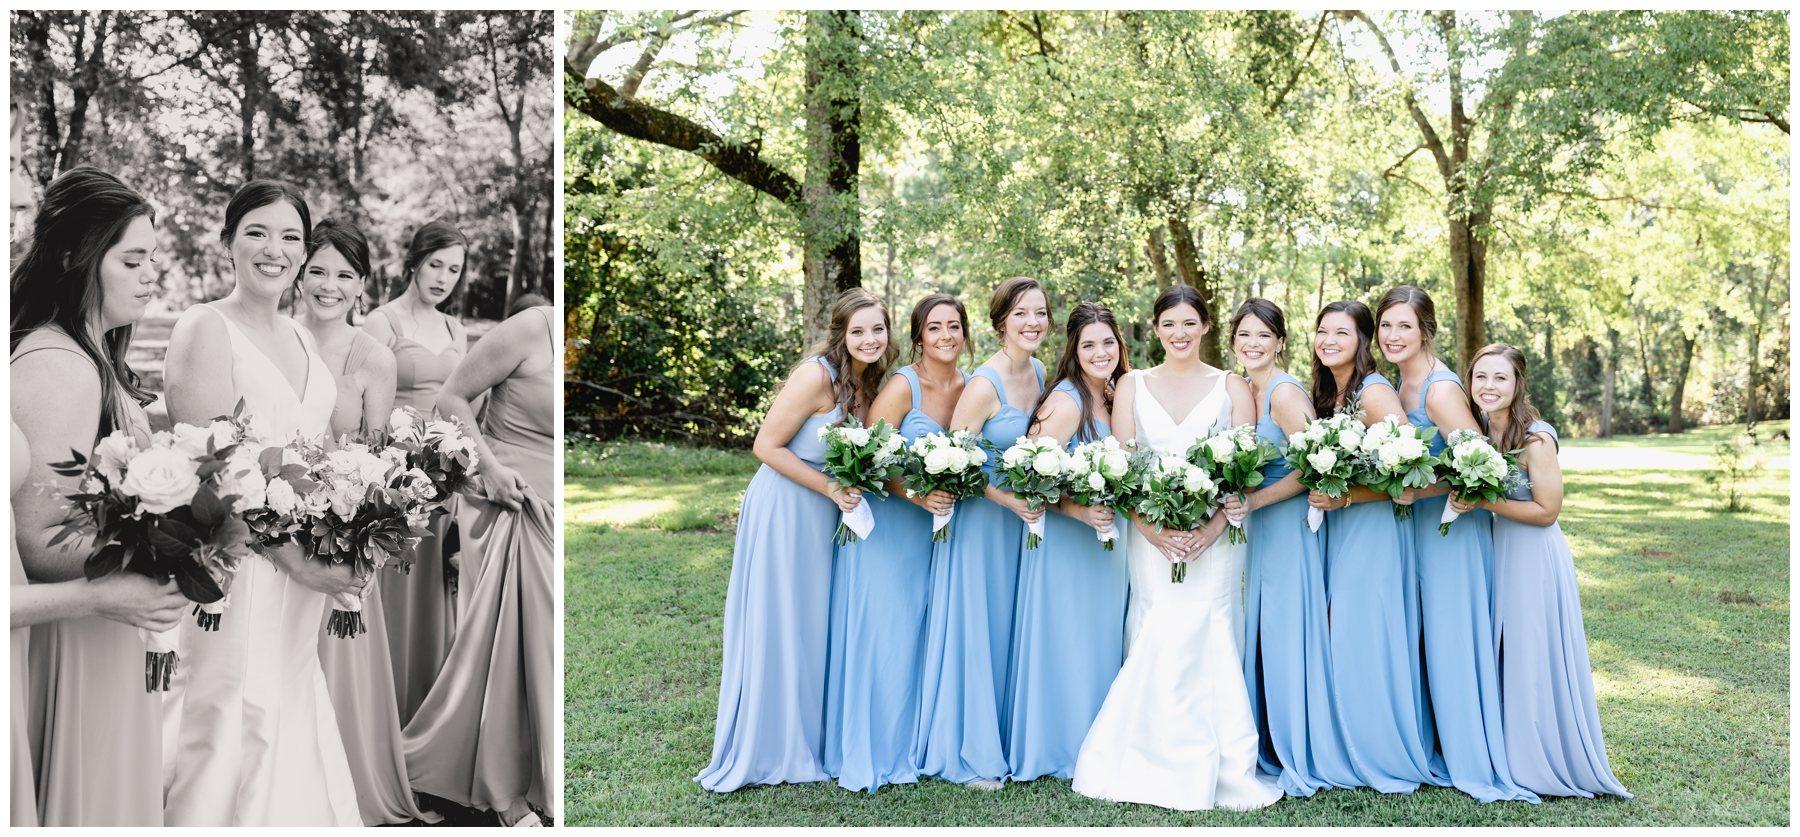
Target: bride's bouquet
(1324, 454)
(1397, 456)
(863, 458)
(949, 462)
(366, 509)
(1176, 495)
(1101, 474)
(1475, 470)
(1032, 469)
(1235, 459)
(166, 510)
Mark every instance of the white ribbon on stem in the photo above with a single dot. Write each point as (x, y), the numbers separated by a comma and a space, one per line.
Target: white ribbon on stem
(860, 519)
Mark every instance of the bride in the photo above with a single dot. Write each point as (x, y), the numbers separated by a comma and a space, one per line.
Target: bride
(255, 738)
(1175, 730)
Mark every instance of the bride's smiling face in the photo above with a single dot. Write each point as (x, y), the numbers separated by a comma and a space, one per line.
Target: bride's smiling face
(268, 247)
(328, 284)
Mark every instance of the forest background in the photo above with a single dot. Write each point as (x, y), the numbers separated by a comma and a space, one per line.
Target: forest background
(385, 119)
(1606, 190)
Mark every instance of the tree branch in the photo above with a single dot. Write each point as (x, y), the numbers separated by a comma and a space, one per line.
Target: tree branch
(1432, 141)
(1300, 68)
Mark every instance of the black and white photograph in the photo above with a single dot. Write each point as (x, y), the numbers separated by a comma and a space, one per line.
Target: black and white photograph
(283, 372)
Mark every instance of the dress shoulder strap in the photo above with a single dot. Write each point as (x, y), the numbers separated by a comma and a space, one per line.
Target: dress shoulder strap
(1541, 426)
(1038, 367)
(912, 383)
(830, 372)
(1067, 387)
(52, 340)
(1374, 379)
(992, 378)
(1436, 376)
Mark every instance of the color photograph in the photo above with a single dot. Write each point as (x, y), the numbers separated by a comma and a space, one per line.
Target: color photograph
(1172, 418)
(283, 378)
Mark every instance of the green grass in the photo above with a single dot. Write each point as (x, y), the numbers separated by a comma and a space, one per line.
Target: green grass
(1686, 612)
(1697, 441)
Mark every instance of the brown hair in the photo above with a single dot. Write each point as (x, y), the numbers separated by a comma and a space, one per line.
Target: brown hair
(1519, 414)
(1174, 295)
(1324, 385)
(1068, 368)
(1422, 305)
(1007, 294)
(1265, 311)
(836, 353)
(923, 310)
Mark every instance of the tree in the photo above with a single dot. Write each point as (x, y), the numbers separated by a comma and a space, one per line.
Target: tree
(825, 203)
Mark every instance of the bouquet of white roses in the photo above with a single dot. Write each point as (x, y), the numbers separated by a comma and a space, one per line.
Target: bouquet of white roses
(1235, 459)
(436, 447)
(1032, 469)
(1101, 474)
(366, 509)
(1176, 495)
(1324, 454)
(949, 462)
(863, 458)
(168, 510)
(1397, 456)
(1475, 470)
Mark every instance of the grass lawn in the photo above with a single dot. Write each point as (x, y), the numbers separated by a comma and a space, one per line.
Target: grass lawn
(1698, 441)
(1687, 623)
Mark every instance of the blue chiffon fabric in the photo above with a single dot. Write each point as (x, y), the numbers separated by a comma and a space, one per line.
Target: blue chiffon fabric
(879, 590)
(1287, 649)
(770, 726)
(1553, 740)
(1461, 666)
(963, 712)
(1068, 636)
(1375, 643)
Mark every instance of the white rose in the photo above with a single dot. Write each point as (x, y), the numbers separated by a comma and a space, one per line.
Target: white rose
(1049, 463)
(1116, 463)
(1196, 481)
(1322, 461)
(893, 444)
(318, 502)
(1079, 465)
(191, 440)
(976, 456)
(856, 436)
(1096, 482)
(1015, 456)
(1221, 447)
(401, 421)
(242, 478)
(112, 454)
(373, 469)
(345, 500)
(444, 429)
(281, 498)
(161, 480)
(941, 460)
(1410, 447)
(394, 456)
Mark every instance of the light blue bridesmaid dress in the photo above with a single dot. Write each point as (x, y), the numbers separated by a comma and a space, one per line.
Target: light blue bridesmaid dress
(1068, 636)
(1287, 645)
(1553, 742)
(879, 587)
(1374, 643)
(770, 726)
(968, 634)
(1462, 672)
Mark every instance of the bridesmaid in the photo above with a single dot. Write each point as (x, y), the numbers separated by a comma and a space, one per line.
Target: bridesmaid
(1069, 619)
(427, 345)
(358, 671)
(879, 585)
(770, 726)
(1374, 643)
(484, 736)
(974, 577)
(82, 282)
(1455, 571)
(1287, 653)
(1553, 741)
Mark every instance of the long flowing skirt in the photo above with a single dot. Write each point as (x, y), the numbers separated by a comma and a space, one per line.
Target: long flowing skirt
(770, 723)
(1068, 644)
(96, 739)
(1462, 670)
(1553, 739)
(968, 639)
(359, 677)
(485, 735)
(1287, 652)
(421, 618)
(878, 593)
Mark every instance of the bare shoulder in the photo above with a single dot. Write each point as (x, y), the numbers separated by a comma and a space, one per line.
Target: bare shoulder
(199, 325)
(1237, 386)
(1290, 400)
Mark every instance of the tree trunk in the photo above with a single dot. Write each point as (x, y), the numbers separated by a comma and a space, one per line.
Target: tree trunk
(250, 78)
(1609, 375)
(1546, 377)
(1680, 387)
(37, 41)
(1159, 260)
(1468, 275)
(832, 215)
(1191, 272)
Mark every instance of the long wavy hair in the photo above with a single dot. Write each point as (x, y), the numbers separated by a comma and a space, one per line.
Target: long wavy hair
(1520, 413)
(923, 310)
(853, 392)
(434, 236)
(56, 281)
(1068, 367)
(1325, 393)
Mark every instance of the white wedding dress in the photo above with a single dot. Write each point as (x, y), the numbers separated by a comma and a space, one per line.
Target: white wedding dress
(1175, 730)
(255, 740)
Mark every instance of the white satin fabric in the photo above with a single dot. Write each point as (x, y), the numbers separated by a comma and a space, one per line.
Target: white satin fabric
(249, 732)
(1175, 730)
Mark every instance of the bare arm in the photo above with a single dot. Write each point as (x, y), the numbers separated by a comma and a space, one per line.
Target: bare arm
(378, 386)
(1059, 419)
(891, 405)
(495, 358)
(56, 405)
(1449, 410)
(1539, 458)
(1243, 402)
(124, 597)
(199, 359)
(379, 327)
(1291, 410)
